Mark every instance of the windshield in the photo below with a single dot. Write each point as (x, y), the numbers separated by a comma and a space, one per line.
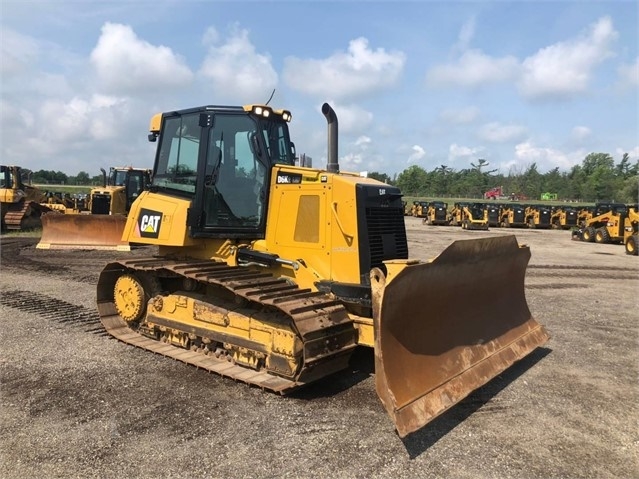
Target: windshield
(278, 142)
(177, 160)
(118, 177)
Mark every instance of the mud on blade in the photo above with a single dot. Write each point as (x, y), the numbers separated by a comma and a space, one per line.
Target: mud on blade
(446, 327)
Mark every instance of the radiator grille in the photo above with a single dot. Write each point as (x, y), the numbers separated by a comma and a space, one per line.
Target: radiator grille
(386, 234)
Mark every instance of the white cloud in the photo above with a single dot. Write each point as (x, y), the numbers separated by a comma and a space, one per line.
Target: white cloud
(351, 119)
(580, 133)
(460, 116)
(466, 34)
(565, 68)
(457, 152)
(629, 73)
(358, 71)
(363, 142)
(633, 153)
(237, 69)
(417, 154)
(497, 133)
(126, 64)
(473, 69)
(351, 162)
(80, 120)
(18, 53)
(547, 158)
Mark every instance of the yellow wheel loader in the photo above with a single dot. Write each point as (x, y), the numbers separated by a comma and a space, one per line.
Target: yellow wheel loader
(101, 224)
(20, 203)
(272, 274)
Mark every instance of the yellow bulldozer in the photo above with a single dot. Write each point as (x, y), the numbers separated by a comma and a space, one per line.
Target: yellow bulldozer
(272, 274)
(21, 205)
(100, 224)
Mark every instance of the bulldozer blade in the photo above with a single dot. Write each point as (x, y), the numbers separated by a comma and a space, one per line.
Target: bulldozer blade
(83, 231)
(448, 326)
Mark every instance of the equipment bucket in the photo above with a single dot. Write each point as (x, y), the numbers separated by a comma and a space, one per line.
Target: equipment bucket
(446, 327)
(83, 231)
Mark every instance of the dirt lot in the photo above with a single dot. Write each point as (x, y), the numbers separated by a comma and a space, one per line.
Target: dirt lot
(76, 403)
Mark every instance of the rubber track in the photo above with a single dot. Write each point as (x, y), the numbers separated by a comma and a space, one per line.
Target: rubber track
(311, 312)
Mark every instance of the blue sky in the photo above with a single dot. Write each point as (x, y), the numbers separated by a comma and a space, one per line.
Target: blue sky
(420, 82)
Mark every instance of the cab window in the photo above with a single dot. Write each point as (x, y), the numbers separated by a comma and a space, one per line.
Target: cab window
(178, 155)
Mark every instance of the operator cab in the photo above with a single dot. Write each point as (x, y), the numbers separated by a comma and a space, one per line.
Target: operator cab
(221, 158)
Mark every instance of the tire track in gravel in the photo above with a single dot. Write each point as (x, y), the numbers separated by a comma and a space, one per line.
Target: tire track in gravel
(61, 312)
(557, 271)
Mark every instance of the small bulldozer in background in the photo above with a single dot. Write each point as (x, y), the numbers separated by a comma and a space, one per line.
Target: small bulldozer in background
(101, 223)
(20, 203)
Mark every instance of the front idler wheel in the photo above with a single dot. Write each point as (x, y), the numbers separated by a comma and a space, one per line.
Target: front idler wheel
(129, 298)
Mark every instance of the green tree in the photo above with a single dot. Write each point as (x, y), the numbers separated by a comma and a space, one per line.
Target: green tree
(598, 177)
(531, 182)
(630, 190)
(83, 178)
(413, 181)
(383, 177)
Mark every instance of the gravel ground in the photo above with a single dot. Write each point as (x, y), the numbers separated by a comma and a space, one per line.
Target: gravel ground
(77, 403)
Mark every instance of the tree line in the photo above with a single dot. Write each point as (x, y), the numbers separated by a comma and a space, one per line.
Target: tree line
(50, 177)
(598, 178)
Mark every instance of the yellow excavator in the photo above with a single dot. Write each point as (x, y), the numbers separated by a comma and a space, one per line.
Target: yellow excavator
(21, 205)
(272, 274)
(101, 223)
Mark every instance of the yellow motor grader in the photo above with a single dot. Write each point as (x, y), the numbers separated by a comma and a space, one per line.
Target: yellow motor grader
(101, 223)
(20, 203)
(272, 274)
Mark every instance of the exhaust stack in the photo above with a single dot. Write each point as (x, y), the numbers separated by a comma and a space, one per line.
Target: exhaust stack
(333, 161)
(104, 179)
